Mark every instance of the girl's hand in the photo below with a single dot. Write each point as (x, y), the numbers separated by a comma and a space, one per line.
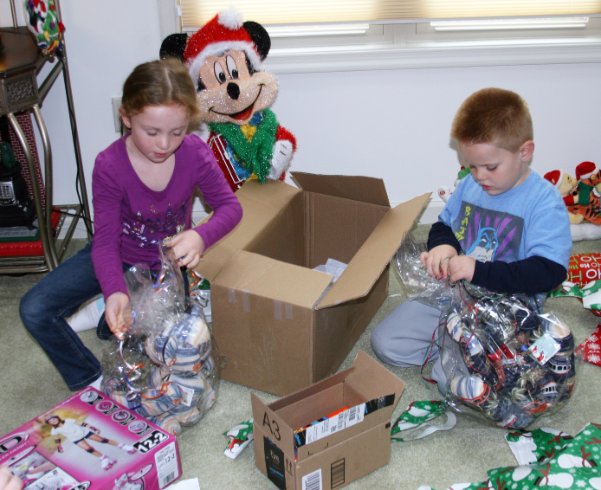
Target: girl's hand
(118, 313)
(436, 261)
(188, 247)
(8, 481)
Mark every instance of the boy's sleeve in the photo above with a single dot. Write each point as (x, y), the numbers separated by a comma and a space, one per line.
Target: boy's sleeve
(530, 276)
(441, 234)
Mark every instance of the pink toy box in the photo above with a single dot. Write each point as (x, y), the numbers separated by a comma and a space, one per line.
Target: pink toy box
(91, 442)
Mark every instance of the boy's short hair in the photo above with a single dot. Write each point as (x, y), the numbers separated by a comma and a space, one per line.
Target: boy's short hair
(495, 116)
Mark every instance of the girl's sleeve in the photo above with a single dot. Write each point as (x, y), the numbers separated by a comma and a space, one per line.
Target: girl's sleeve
(106, 256)
(217, 194)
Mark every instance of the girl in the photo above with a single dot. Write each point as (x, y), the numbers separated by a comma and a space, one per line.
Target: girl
(143, 187)
(80, 433)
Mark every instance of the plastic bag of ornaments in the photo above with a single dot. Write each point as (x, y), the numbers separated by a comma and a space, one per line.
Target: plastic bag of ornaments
(164, 368)
(504, 361)
(415, 278)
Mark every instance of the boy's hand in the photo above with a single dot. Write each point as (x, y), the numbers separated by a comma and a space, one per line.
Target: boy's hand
(436, 261)
(461, 267)
(118, 313)
(188, 247)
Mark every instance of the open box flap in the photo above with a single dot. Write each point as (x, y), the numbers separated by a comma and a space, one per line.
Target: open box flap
(274, 279)
(374, 255)
(362, 189)
(261, 202)
(361, 380)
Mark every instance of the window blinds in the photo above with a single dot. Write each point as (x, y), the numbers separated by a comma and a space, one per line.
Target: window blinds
(195, 13)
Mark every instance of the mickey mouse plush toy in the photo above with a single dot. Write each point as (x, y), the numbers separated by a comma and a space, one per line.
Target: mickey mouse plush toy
(225, 58)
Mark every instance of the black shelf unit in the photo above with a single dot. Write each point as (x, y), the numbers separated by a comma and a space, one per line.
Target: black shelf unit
(21, 63)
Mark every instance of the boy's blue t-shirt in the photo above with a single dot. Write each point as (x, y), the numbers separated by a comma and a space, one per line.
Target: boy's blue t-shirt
(528, 220)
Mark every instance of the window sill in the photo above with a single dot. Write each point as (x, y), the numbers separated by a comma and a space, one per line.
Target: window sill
(378, 57)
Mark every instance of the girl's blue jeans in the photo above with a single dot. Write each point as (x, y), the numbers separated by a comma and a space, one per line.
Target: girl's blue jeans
(57, 296)
(45, 307)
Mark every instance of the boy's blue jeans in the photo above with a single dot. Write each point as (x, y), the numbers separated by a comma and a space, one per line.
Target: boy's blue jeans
(45, 307)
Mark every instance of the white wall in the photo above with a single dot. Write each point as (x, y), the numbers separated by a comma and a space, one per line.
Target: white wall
(392, 124)
(395, 124)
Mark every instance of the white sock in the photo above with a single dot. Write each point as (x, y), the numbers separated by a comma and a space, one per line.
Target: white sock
(96, 384)
(88, 315)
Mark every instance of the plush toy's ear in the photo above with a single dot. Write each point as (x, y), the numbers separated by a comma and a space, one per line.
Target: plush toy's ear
(173, 46)
(260, 37)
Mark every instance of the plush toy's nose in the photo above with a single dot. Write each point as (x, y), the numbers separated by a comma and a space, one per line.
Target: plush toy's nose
(233, 90)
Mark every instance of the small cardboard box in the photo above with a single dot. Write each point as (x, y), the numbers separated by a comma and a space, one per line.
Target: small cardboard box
(330, 433)
(142, 454)
(280, 324)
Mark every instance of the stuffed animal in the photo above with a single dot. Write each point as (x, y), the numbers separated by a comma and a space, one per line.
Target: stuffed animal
(178, 384)
(582, 197)
(587, 196)
(445, 192)
(566, 184)
(44, 23)
(225, 59)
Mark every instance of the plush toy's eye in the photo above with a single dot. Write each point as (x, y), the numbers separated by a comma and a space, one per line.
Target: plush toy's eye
(219, 73)
(231, 67)
(249, 66)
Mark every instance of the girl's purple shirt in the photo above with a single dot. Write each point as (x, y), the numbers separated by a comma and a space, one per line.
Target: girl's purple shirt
(131, 220)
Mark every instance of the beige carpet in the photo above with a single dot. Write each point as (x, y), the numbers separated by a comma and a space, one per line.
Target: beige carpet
(30, 385)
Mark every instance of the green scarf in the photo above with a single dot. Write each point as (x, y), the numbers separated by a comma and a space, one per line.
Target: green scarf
(255, 155)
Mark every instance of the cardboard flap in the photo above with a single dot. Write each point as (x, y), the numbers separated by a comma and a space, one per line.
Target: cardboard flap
(361, 379)
(260, 203)
(363, 189)
(310, 390)
(269, 278)
(374, 255)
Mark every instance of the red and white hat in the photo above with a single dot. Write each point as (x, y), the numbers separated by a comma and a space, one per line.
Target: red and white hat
(223, 32)
(584, 170)
(555, 177)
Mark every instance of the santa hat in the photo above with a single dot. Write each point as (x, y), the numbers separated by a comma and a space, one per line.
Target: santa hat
(555, 177)
(584, 170)
(223, 32)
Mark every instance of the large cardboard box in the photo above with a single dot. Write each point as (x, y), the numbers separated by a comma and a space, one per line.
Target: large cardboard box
(280, 324)
(138, 454)
(330, 433)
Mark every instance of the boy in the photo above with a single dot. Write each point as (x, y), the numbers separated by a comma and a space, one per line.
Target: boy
(504, 228)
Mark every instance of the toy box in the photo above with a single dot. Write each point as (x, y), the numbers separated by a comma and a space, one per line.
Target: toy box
(89, 441)
(281, 323)
(330, 433)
